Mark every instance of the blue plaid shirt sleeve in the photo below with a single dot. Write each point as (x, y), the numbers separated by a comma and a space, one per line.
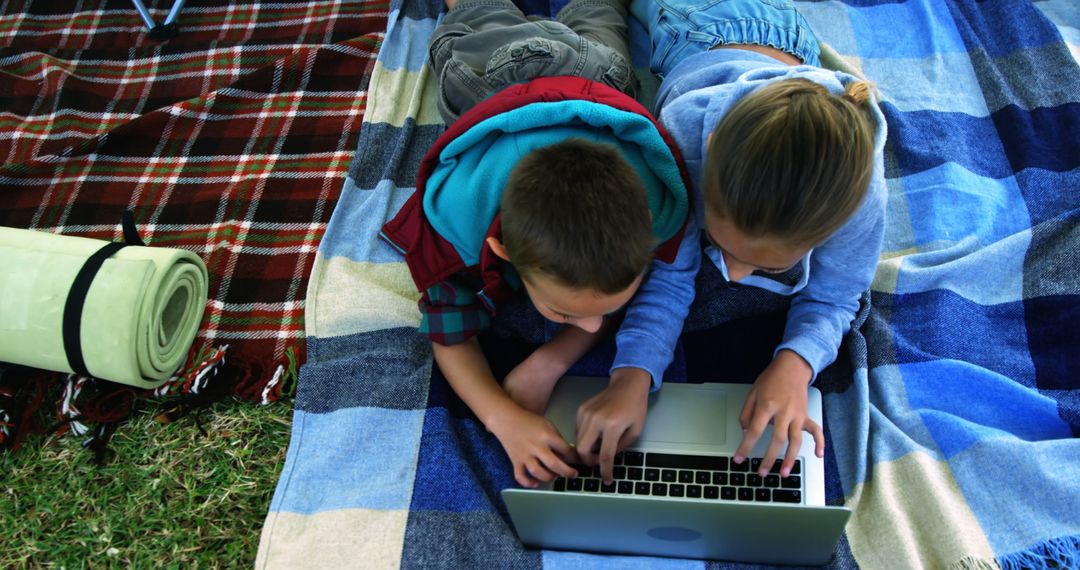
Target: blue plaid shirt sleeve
(451, 312)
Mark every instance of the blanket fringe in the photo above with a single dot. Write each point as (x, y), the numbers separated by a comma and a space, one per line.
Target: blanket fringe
(23, 392)
(973, 563)
(207, 361)
(255, 383)
(92, 409)
(107, 404)
(1057, 553)
(283, 383)
(7, 415)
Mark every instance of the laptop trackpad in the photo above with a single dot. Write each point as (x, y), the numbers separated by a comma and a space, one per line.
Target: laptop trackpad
(695, 414)
(678, 413)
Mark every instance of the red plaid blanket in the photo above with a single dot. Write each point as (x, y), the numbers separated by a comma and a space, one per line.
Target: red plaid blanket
(231, 140)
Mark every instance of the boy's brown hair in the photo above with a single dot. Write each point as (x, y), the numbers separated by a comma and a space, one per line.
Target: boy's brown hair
(791, 160)
(576, 211)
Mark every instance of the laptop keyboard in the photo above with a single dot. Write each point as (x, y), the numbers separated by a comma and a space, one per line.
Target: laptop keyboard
(703, 477)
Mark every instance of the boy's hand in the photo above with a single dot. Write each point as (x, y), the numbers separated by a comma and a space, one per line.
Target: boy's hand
(535, 447)
(613, 419)
(779, 397)
(530, 383)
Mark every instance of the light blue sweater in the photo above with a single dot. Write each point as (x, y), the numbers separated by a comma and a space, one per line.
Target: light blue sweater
(691, 101)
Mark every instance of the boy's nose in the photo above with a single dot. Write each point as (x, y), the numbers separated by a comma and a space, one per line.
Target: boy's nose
(588, 324)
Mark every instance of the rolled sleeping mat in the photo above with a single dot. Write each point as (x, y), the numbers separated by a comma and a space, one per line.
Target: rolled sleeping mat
(115, 311)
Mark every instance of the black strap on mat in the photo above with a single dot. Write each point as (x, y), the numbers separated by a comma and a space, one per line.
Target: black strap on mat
(76, 299)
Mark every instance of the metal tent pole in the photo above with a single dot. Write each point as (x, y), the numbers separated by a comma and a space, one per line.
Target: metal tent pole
(164, 31)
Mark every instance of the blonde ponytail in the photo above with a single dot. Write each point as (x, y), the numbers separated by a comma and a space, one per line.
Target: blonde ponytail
(858, 92)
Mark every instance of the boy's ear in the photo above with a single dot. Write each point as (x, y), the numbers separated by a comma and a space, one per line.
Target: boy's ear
(708, 142)
(498, 248)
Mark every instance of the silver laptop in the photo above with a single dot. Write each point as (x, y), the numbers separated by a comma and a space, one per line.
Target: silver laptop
(676, 491)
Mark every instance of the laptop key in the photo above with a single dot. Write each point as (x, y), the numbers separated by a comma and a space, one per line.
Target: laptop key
(642, 488)
(669, 475)
(620, 472)
(619, 458)
(652, 474)
(772, 481)
(797, 468)
(712, 492)
(607, 487)
(791, 482)
(676, 489)
(743, 467)
(592, 485)
(686, 476)
(693, 491)
(560, 484)
(699, 462)
(737, 479)
(626, 487)
(702, 478)
(727, 493)
(786, 496)
(574, 484)
(746, 494)
(634, 474)
(719, 478)
(762, 495)
(754, 480)
(634, 458)
(659, 489)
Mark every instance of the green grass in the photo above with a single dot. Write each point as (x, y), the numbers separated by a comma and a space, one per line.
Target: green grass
(170, 497)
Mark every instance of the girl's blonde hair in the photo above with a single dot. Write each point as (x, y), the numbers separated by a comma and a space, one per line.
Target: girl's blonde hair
(791, 160)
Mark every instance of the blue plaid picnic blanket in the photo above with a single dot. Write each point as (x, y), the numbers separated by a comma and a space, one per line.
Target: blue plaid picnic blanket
(952, 412)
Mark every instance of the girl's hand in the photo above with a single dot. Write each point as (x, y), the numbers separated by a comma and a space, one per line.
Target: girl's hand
(613, 419)
(779, 397)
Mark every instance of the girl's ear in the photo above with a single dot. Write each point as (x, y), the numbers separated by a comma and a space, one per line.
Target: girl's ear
(498, 248)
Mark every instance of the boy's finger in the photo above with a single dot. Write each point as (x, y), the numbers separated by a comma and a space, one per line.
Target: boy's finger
(560, 467)
(539, 471)
(557, 444)
(556, 458)
(564, 450)
(522, 476)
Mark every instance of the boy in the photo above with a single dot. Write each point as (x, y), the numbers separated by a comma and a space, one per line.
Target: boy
(550, 181)
(786, 160)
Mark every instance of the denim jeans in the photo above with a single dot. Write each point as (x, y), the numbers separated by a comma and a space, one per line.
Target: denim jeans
(679, 29)
(482, 46)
